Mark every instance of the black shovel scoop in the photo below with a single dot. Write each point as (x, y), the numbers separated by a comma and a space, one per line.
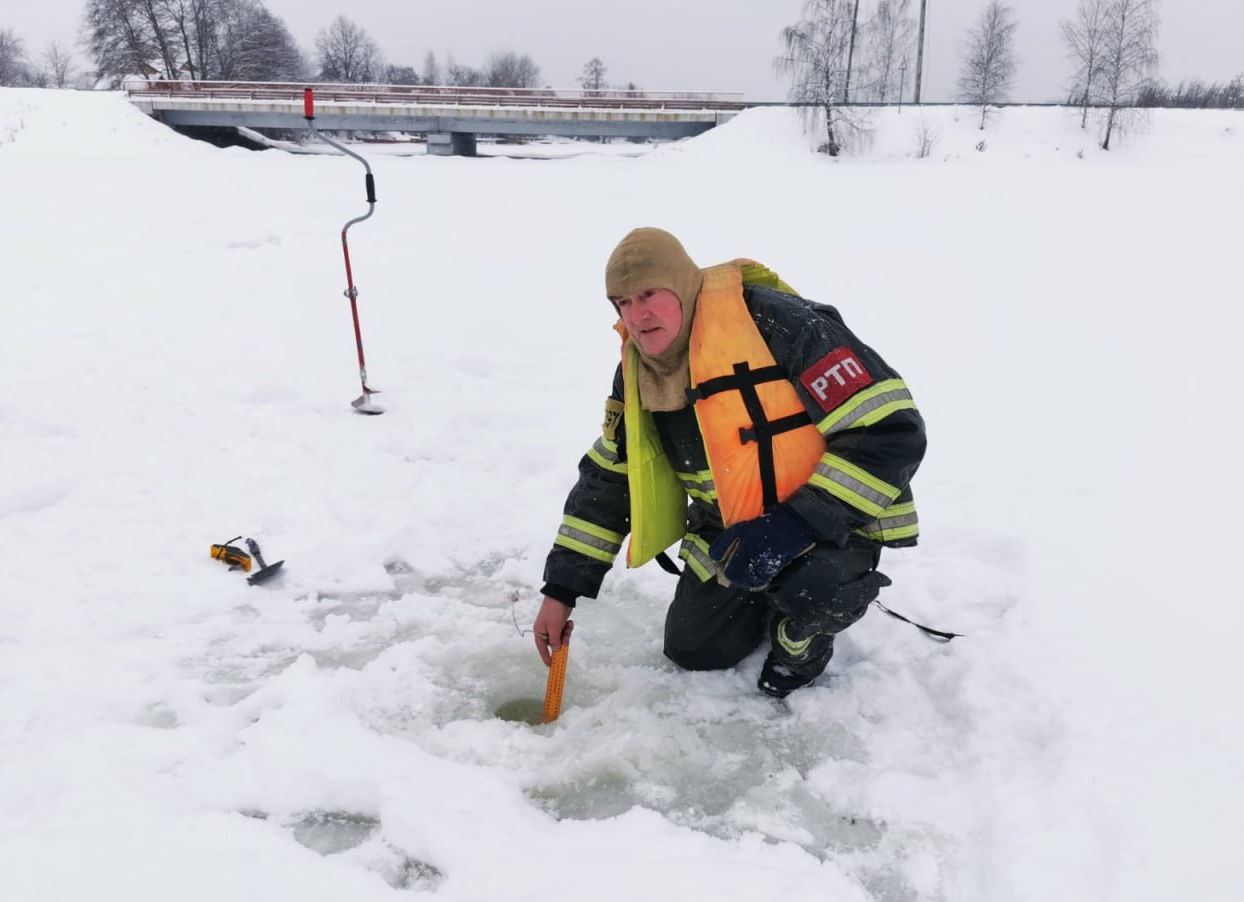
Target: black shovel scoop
(265, 571)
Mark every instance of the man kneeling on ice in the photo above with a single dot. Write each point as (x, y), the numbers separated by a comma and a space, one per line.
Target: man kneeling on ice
(754, 426)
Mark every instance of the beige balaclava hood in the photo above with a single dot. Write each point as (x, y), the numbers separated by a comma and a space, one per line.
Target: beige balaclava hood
(653, 258)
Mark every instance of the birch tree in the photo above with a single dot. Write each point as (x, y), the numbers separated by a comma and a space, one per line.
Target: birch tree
(815, 59)
(1085, 36)
(989, 59)
(1130, 58)
(889, 34)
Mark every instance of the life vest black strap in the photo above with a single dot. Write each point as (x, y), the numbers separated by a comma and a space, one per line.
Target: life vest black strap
(939, 635)
(668, 565)
(758, 431)
(744, 380)
(733, 382)
(764, 443)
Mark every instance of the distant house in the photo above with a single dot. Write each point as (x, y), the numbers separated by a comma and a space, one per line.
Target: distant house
(147, 72)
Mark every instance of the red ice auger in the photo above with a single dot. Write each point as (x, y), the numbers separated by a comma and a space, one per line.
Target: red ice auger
(363, 403)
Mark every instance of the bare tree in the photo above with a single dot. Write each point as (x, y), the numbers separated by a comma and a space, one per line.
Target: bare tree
(57, 66)
(511, 70)
(117, 37)
(1086, 39)
(815, 55)
(1193, 95)
(249, 43)
(431, 71)
(14, 69)
(462, 76)
(153, 14)
(889, 35)
(206, 39)
(1130, 57)
(190, 25)
(399, 75)
(593, 77)
(989, 58)
(347, 53)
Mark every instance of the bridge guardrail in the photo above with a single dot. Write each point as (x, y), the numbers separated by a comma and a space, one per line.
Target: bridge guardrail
(440, 95)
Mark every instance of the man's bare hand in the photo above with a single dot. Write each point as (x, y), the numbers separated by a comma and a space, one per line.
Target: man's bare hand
(553, 627)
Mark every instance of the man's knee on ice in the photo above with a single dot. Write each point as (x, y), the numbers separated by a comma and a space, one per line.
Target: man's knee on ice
(705, 657)
(713, 654)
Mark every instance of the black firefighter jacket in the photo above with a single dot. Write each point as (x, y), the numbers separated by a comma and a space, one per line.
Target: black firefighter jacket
(874, 442)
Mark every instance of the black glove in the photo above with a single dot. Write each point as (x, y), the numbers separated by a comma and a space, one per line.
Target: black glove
(751, 553)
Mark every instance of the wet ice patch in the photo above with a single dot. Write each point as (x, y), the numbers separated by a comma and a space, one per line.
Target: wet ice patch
(358, 839)
(329, 832)
(437, 665)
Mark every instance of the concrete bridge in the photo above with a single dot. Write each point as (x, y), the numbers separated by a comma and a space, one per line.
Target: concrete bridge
(451, 117)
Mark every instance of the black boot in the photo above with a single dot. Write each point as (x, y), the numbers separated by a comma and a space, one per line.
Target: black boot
(794, 660)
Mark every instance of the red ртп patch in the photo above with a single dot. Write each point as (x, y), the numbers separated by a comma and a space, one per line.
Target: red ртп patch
(835, 377)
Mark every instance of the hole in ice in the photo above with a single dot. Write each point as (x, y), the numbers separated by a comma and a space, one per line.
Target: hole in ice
(522, 710)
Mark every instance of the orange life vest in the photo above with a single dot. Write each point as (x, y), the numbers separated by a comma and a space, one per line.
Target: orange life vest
(761, 443)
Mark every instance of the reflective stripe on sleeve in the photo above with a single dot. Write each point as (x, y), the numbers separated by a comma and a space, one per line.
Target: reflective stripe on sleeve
(604, 454)
(589, 539)
(847, 482)
(898, 522)
(694, 551)
(872, 405)
(699, 485)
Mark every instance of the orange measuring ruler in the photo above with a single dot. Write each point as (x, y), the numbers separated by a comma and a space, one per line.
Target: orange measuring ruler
(557, 682)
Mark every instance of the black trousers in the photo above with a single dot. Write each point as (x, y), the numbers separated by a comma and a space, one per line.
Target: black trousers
(711, 627)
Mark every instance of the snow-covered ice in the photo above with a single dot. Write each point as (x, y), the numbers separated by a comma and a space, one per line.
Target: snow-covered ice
(177, 363)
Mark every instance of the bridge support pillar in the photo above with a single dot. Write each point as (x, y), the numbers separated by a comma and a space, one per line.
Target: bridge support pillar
(451, 144)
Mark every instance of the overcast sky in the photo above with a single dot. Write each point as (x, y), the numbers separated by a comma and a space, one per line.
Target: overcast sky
(691, 45)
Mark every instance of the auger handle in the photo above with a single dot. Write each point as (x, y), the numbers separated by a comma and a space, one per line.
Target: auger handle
(254, 549)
